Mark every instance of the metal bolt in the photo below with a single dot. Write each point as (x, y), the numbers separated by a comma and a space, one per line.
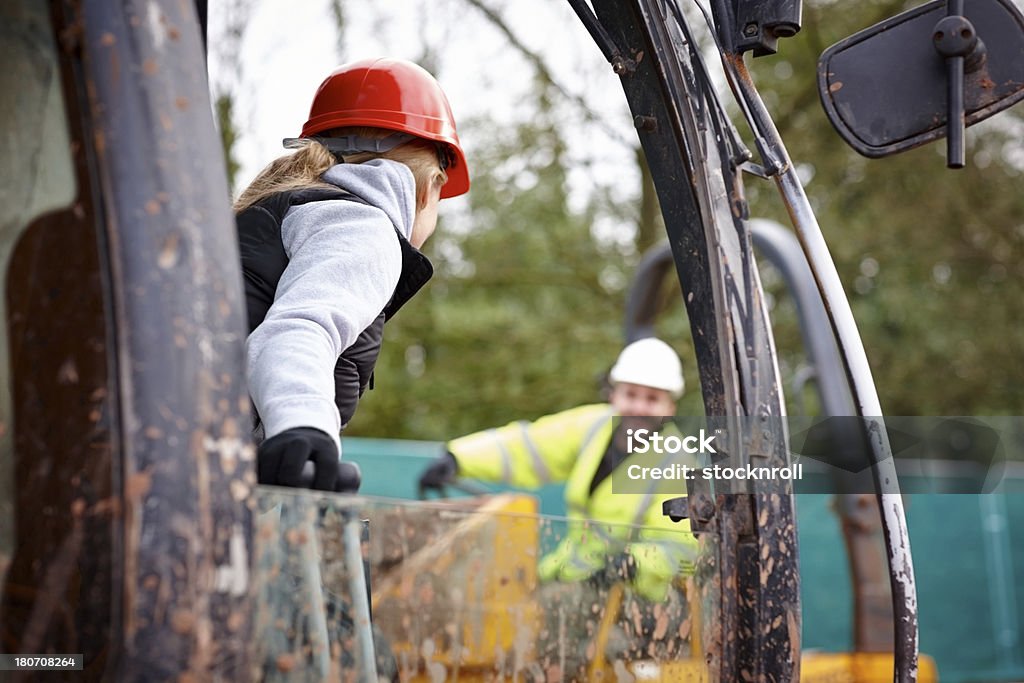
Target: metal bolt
(646, 123)
(705, 509)
(750, 30)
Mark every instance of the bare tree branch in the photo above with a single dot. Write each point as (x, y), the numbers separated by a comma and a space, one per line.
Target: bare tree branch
(540, 66)
(337, 8)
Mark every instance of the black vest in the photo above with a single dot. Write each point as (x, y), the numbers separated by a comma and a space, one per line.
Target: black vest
(264, 261)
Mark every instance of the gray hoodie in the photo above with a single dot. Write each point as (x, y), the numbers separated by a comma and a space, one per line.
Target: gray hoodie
(344, 264)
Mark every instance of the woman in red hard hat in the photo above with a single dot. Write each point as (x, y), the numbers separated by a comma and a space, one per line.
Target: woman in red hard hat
(329, 238)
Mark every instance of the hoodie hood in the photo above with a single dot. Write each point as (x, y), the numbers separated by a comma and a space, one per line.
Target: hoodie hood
(385, 184)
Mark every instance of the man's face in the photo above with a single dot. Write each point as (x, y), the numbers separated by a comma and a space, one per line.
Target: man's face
(636, 400)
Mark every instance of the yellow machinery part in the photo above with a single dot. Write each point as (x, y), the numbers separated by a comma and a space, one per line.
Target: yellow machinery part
(858, 667)
(611, 613)
(815, 667)
(465, 601)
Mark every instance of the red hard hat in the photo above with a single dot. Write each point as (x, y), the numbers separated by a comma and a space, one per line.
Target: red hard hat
(392, 94)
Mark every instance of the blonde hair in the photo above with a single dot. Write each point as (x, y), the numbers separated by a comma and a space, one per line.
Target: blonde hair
(304, 168)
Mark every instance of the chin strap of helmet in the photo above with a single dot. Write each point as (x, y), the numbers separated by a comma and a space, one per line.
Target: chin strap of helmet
(353, 144)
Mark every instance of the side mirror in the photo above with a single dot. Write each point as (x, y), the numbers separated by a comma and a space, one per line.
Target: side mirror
(923, 74)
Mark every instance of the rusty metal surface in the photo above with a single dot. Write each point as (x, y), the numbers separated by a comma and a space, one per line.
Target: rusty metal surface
(693, 162)
(865, 548)
(186, 457)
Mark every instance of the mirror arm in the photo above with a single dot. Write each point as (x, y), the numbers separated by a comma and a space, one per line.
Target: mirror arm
(957, 41)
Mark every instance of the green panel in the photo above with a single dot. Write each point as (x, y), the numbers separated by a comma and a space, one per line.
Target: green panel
(391, 468)
(957, 581)
(949, 561)
(825, 591)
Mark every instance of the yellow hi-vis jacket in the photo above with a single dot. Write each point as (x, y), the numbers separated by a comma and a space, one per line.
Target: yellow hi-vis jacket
(569, 446)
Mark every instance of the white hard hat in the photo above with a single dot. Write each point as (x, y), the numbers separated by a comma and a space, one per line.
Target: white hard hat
(651, 363)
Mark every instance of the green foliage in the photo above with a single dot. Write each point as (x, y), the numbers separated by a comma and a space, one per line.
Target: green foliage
(224, 108)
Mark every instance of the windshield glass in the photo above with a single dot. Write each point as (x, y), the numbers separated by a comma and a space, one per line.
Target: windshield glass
(465, 590)
(36, 177)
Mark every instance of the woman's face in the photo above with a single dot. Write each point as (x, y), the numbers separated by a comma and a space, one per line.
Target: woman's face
(426, 217)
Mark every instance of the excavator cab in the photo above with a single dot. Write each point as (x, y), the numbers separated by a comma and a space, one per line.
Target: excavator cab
(132, 536)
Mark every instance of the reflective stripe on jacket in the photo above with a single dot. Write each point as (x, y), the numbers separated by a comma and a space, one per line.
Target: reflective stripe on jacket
(568, 447)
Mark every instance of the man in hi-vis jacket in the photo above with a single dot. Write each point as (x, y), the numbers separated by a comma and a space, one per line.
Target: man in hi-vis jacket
(582, 447)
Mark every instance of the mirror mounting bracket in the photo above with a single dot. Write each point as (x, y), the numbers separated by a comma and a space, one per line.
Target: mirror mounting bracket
(957, 42)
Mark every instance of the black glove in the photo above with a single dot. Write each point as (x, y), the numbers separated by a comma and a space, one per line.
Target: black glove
(280, 459)
(620, 568)
(440, 472)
